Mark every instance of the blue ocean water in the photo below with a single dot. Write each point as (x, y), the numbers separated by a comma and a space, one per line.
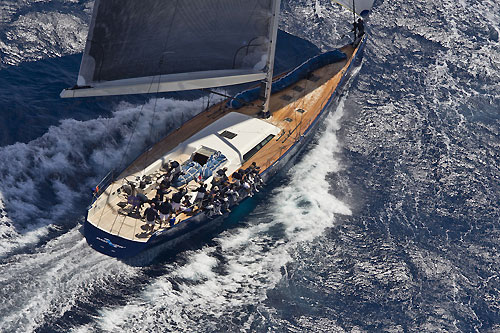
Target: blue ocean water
(388, 223)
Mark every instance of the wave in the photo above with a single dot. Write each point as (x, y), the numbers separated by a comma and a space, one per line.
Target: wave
(62, 275)
(47, 182)
(223, 279)
(32, 30)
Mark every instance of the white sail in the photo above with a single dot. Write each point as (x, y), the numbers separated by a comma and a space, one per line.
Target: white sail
(152, 46)
(361, 7)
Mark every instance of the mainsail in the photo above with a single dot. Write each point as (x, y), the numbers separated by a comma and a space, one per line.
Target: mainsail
(361, 7)
(151, 46)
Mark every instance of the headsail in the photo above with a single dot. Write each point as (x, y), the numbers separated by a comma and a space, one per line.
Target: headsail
(156, 45)
(361, 7)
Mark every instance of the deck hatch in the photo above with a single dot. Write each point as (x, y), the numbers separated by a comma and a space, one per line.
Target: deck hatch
(228, 135)
(298, 89)
(300, 110)
(202, 155)
(287, 98)
(288, 120)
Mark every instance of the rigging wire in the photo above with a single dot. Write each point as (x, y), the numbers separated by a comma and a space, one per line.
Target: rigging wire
(140, 113)
(122, 161)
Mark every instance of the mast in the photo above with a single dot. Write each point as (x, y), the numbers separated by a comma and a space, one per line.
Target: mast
(266, 85)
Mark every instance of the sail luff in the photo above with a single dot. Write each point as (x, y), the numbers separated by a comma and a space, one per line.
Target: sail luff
(85, 65)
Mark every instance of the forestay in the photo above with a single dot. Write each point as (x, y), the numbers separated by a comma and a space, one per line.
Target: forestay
(361, 7)
(156, 45)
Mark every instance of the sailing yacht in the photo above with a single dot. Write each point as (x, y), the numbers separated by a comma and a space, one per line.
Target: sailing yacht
(232, 147)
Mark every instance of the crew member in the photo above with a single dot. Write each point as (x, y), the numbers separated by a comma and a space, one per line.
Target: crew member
(358, 28)
(151, 215)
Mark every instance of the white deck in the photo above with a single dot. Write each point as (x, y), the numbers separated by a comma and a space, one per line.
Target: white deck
(249, 133)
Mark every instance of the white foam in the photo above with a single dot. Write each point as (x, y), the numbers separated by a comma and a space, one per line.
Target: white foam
(31, 34)
(201, 291)
(199, 268)
(50, 281)
(306, 207)
(62, 166)
(207, 289)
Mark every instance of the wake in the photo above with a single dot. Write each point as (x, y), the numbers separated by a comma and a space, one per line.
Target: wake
(221, 280)
(46, 183)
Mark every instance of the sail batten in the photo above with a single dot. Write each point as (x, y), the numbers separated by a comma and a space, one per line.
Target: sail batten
(130, 39)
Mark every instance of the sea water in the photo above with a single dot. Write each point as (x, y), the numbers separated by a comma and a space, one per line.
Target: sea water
(389, 221)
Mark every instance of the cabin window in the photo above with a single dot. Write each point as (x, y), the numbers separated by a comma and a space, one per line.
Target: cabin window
(255, 149)
(228, 135)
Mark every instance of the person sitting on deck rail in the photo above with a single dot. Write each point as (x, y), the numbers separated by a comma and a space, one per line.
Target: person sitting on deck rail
(207, 206)
(212, 207)
(232, 193)
(248, 188)
(151, 215)
(251, 181)
(258, 180)
(225, 204)
(217, 205)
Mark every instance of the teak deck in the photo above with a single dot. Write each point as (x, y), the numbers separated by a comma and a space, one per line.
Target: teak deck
(310, 95)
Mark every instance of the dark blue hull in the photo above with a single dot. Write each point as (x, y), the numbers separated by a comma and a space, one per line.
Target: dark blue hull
(125, 249)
